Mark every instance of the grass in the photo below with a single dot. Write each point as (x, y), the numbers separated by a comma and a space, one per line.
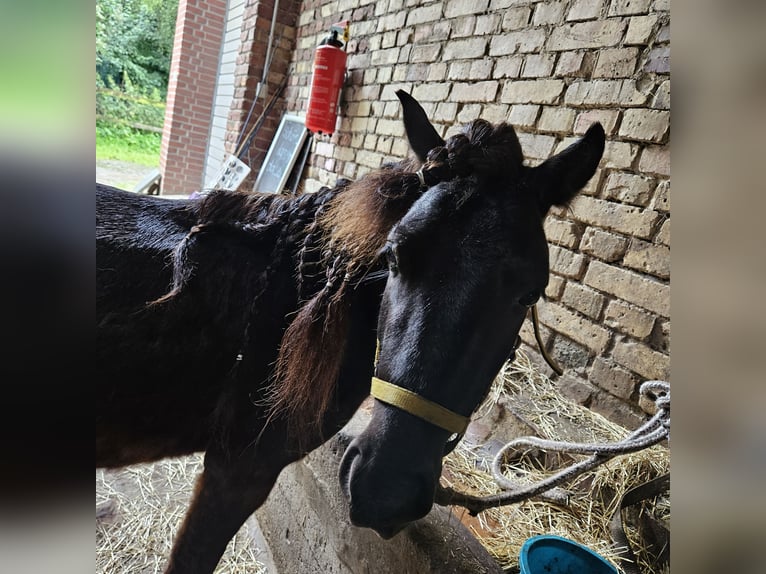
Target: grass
(115, 141)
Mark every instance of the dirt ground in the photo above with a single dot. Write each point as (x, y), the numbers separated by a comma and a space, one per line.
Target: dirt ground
(121, 174)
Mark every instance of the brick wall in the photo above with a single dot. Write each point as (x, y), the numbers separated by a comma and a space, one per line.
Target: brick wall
(550, 69)
(191, 90)
(249, 71)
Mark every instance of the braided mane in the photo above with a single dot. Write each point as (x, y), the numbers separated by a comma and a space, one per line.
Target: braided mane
(354, 224)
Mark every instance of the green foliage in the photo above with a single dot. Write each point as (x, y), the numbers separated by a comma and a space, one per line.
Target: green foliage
(134, 42)
(122, 107)
(119, 141)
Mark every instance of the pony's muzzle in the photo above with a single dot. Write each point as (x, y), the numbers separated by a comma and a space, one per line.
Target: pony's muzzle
(384, 495)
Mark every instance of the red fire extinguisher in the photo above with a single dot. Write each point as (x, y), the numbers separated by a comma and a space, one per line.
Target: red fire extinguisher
(327, 80)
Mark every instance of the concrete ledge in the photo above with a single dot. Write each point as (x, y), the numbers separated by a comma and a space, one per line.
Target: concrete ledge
(305, 523)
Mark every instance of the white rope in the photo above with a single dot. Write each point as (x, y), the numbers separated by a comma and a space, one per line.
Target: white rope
(655, 430)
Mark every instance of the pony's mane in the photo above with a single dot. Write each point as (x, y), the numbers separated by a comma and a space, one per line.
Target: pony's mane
(223, 206)
(353, 226)
(246, 215)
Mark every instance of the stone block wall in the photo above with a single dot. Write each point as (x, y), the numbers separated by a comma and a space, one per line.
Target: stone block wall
(550, 68)
(306, 526)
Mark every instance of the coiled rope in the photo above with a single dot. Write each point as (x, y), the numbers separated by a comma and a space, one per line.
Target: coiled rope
(654, 431)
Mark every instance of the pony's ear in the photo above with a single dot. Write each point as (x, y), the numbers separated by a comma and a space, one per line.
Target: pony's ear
(420, 133)
(562, 176)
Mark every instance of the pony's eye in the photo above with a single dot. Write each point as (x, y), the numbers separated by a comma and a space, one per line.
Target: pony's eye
(393, 263)
(529, 299)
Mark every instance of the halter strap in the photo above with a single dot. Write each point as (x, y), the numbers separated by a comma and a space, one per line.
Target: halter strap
(430, 411)
(418, 406)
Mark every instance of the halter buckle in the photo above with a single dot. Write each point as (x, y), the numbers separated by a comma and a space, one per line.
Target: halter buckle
(421, 178)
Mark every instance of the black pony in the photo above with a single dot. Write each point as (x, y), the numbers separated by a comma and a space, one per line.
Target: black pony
(246, 325)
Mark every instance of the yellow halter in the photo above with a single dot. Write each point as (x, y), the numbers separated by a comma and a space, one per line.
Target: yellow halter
(416, 405)
(428, 410)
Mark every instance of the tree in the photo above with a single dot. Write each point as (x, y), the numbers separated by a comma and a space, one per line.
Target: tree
(134, 42)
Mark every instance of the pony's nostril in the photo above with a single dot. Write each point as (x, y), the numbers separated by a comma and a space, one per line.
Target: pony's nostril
(346, 464)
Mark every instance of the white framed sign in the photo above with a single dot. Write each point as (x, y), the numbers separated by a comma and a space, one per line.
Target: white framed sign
(282, 154)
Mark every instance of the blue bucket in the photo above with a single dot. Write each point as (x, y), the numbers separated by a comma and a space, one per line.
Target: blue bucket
(549, 554)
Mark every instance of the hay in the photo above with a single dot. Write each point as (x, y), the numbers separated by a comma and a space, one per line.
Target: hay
(593, 495)
(140, 508)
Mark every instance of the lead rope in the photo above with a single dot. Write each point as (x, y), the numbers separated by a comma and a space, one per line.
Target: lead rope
(548, 359)
(654, 431)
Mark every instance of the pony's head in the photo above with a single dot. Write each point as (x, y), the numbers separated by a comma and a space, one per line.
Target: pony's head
(466, 261)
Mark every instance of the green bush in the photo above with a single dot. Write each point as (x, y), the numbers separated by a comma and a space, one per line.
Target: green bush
(120, 107)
